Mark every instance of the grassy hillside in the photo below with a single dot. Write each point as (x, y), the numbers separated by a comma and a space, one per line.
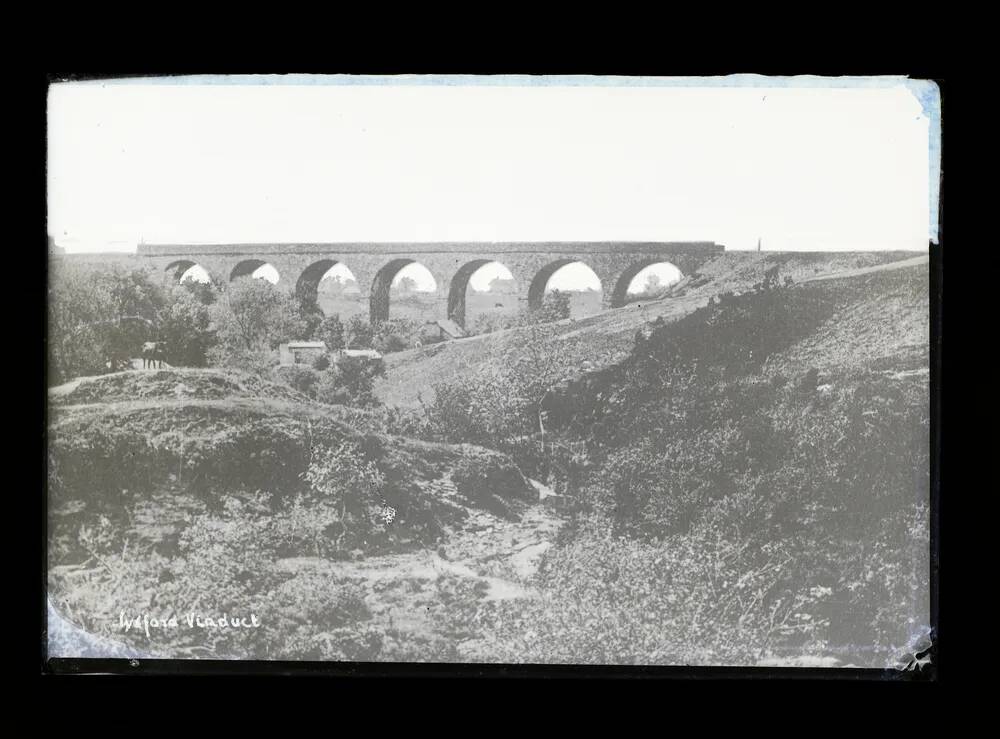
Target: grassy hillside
(755, 486)
(601, 340)
(228, 432)
(171, 384)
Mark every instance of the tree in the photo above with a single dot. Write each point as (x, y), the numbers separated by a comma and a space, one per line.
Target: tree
(359, 333)
(653, 284)
(331, 332)
(351, 382)
(336, 285)
(406, 285)
(252, 317)
(501, 400)
(206, 292)
(310, 313)
(99, 318)
(185, 325)
(555, 307)
(394, 334)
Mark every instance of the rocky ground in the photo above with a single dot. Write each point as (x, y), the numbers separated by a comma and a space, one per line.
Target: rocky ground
(486, 559)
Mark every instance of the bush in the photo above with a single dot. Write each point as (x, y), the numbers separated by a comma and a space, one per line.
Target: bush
(392, 343)
(395, 335)
(259, 361)
(706, 597)
(299, 377)
(350, 382)
(331, 332)
(350, 490)
(491, 321)
(359, 333)
(555, 307)
(185, 326)
(816, 499)
(226, 563)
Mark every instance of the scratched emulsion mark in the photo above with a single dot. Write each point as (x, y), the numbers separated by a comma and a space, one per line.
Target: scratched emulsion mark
(917, 654)
(65, 639)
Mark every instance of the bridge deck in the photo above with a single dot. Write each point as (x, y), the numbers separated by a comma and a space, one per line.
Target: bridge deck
(402, 247)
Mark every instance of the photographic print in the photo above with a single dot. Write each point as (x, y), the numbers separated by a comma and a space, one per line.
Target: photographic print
(522, 370)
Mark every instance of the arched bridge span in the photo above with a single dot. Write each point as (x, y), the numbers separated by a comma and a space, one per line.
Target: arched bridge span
(374, 265)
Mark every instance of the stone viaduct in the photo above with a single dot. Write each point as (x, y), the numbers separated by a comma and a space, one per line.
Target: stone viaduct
(374, 265)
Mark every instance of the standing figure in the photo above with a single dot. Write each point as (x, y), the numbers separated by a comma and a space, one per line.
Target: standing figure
(152, 354)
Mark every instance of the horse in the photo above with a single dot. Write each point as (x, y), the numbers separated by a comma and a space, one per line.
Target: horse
(153, 353)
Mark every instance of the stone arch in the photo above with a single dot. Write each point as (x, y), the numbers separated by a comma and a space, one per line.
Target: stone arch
(382, 284)
(536, 292)
(247, 267)
(619, 293)
(460, 284)
(175, 270)
(307, 286)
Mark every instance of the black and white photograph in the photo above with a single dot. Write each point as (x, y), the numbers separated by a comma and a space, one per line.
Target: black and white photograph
(526, 370)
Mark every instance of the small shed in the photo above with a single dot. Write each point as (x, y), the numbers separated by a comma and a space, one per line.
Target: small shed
(441, 331)
(301, 352)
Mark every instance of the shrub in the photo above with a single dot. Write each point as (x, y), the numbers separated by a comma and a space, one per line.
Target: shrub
(706, 597)
(350, 488)
(184, 324)
(331, 332)
(299, 377)
(350, 382)
(491, 321)
(359, 333)
(394, 335)
(226, 563)
(259, 361)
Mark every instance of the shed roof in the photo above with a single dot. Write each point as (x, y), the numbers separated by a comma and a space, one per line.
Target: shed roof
(307, 345)
(451, 328)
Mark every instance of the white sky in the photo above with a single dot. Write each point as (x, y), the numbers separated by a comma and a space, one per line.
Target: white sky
(801, 168)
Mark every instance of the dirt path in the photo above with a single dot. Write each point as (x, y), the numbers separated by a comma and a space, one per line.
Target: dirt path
(902, 264)
(68, 387)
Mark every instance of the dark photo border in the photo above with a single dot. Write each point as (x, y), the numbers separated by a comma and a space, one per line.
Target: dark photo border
(928, 673)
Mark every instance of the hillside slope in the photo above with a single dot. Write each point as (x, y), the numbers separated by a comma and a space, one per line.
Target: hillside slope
(209, 431)
(603, 339)
(190, 490)
(768, 454)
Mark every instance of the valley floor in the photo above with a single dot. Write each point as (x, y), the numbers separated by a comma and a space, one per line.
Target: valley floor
(489, 559)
